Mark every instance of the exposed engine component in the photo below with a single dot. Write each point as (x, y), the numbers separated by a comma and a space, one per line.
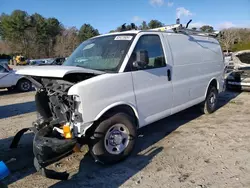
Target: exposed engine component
(54, 106)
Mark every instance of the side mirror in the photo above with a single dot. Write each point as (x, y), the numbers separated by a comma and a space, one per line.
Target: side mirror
(142, 59)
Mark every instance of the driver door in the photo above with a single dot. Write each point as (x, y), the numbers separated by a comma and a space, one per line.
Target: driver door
(6, 79)
(152, 83)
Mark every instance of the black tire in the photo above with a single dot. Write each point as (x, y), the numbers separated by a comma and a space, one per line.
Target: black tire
(210, 105)
(99, 141)
(24, 85)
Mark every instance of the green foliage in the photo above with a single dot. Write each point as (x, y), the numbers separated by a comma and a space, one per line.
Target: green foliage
(86, 32)
(207, 28)
(154, 24)
(143, 26)
(35, 36)
(235, 39)
(241, 46)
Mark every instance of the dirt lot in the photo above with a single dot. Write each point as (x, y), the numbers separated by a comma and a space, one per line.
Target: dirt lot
(185, 150)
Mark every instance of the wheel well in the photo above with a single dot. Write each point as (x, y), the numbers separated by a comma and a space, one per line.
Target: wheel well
(121, 108)
(213, 83)
(22, 79)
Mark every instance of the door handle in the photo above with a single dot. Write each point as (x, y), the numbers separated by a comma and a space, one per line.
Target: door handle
(169, 75)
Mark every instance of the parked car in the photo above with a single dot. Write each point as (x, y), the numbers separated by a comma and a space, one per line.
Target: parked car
(10, 80)
(34, 62)
(55, 61)
(116, 83)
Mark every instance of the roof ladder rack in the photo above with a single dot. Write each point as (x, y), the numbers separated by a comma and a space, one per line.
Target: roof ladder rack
(178, 28)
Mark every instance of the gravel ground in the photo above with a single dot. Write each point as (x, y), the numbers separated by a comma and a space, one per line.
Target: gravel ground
(185, 150)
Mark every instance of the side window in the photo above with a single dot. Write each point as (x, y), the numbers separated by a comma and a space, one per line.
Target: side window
(151, 44)
(2, 69)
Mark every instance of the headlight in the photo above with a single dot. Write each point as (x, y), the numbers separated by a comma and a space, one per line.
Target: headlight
(77, 113)
(77, 103)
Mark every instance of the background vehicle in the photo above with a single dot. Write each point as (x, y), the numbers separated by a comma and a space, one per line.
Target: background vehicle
(55, 61)
(36, 62)
(51, 61)
(10, 80)
(114, 84)
(20, 60)
(238, 76)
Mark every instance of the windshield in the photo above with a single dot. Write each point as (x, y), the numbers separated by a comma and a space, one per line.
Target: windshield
(102, 53)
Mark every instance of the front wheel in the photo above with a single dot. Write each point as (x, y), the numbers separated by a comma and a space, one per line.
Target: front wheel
(211, 101)
(113, 139)
(24, 85)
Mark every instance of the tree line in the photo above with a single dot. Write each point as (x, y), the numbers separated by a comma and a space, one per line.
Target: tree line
(35, 36)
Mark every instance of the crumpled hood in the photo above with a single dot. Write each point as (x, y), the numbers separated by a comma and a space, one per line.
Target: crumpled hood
(54, 71)
(241, 59)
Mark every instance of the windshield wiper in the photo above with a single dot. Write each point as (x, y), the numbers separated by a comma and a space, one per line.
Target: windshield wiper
(80, 66)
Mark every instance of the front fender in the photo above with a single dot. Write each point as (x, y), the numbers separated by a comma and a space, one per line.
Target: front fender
(100, 93)
(116, 105)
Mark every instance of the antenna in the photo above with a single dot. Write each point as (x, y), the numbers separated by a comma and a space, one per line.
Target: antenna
(188, 23)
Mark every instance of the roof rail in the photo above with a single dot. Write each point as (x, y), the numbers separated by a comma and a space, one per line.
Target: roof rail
(178, 28)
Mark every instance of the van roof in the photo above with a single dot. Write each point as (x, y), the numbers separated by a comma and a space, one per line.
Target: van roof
(138, 31)
(130, 32)
(117, 33)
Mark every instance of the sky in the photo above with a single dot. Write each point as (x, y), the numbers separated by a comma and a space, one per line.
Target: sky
(106, 15)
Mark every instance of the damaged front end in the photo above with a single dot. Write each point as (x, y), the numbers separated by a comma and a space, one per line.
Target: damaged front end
(57, 113)
(238, 72)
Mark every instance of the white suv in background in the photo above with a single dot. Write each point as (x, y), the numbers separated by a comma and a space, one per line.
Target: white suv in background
(10, 80)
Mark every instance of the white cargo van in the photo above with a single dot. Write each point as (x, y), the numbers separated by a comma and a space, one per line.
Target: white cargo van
(115, 83)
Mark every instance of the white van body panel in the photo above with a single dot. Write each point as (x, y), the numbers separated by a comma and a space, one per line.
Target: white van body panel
(100, 93)
(197, 60)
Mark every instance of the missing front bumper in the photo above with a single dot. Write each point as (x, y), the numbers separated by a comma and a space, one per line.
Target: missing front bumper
(47, 149)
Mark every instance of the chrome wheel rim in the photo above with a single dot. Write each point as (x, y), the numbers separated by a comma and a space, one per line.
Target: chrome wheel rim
(116, 139)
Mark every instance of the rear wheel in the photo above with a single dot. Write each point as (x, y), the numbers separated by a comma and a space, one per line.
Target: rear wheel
(211, 101)
(24, 85)
(113, 139)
